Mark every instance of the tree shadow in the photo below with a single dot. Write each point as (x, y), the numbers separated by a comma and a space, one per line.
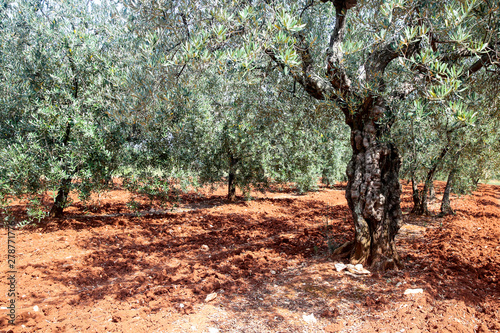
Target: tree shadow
(180, 258)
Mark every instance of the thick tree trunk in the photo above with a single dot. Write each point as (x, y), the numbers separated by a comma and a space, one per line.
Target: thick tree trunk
(373, 191)
(445, 204)
(231, 182)
(61, 199)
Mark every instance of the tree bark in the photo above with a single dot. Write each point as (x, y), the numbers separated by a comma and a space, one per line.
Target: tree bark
(432, 192)
(373, 191)
(445, 204)
(231, 185)
(422, 208)
(415, 194)
(62, 194)
(61, 199)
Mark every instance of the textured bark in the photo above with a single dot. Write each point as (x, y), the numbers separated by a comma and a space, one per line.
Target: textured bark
(57, 209)
(373, 192)
(445, 204)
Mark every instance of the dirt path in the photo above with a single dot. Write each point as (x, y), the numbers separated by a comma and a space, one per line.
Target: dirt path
(266, 260)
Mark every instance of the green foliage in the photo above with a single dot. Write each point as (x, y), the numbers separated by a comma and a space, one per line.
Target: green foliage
(57, 65)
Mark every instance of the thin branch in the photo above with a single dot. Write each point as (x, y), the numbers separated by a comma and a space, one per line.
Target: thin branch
(306, 7)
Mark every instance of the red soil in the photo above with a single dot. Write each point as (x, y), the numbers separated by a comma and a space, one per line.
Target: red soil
(266, 259)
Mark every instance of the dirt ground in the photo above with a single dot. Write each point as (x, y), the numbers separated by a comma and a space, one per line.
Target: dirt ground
(265, 264)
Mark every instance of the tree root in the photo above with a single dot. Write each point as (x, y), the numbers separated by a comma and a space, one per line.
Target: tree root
(344, 250)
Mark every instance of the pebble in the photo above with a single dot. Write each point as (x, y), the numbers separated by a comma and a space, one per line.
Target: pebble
(213, 330)
(210, 297)
(340, 266)
(413, 291)
(310, 319)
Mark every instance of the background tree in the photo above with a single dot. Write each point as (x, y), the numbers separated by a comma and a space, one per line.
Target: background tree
(58, 60)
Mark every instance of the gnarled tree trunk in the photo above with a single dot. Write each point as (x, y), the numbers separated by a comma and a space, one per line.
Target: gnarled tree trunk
(373, 192)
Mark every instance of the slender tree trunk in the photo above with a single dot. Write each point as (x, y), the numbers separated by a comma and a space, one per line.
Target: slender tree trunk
(62, 194)
(373, 191)
(61, 198)
(415, 193)
(423, 209)
(445, 204)
(231, 186)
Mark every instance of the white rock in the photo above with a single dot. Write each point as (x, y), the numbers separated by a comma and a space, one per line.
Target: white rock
(213, 330)
(273, 272)
(358, 269)
(181, 305)
(413, 291)
(36, 308)
(310, 319)
(210, 297)
(340, 266)
(204, 247)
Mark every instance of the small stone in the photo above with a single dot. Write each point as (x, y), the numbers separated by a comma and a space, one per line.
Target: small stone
(213, 330)
(36, 308)
(210, 297)
(413, 291)
(358, 269)
(204, 247)
(340, 266)
(273, 272)
(310, 319)
(181, 305)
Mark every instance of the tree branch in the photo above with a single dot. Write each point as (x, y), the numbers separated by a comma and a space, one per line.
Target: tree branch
(334, 70)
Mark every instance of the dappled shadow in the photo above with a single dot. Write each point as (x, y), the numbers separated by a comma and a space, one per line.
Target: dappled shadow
(178, 258)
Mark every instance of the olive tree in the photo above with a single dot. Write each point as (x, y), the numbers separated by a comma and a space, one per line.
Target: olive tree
(365, 57)
(59, 63)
